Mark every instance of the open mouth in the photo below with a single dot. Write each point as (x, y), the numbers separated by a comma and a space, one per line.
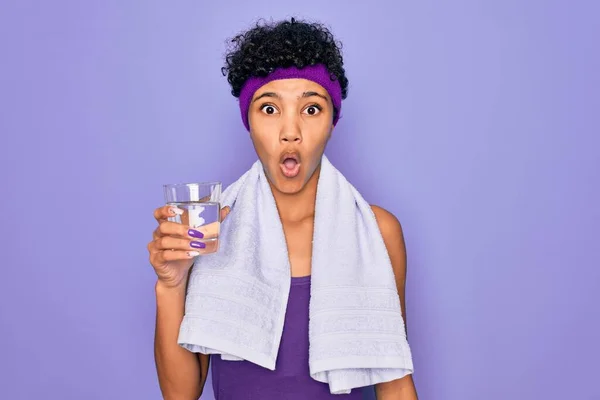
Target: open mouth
(290, 164)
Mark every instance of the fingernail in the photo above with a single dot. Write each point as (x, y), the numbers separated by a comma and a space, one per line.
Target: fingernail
(193, 254)
(176, 211)
(198, 245)
(195, 233)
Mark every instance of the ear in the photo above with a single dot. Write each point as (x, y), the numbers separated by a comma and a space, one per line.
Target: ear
(225, 212)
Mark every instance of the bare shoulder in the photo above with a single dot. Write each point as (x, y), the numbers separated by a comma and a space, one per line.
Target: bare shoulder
(389, 225)
(393, 237)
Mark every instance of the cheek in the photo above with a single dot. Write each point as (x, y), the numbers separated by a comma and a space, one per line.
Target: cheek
(261, 121)
(315, 148)
(266, 147)
(320, 129)
(317, 139)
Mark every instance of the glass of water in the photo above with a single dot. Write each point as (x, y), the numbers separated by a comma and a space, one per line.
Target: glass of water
(201, 207)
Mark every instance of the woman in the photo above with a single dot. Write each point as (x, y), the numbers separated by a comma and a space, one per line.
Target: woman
(290, 119)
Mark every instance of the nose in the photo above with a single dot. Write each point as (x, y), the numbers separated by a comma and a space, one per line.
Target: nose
(290, 131)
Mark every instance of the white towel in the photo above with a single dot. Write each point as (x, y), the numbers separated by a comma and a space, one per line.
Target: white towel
(237, 297)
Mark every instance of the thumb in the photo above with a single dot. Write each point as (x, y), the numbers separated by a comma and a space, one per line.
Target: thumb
(225, 212)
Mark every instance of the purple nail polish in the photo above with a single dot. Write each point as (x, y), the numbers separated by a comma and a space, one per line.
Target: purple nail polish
(195, 233)
(198, 245)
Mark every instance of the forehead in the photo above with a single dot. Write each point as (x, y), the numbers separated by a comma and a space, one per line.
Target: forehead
(291, 87)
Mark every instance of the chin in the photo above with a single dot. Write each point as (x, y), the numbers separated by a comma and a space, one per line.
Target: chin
(289, 186)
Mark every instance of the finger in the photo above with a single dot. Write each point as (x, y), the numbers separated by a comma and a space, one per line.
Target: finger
(225, 212)
(156, 233)
(207, 247)
(176, 230)
(168, 228)
(174, 243)
(163, 257)
(210, 231)
(163, 213)
(211, 246)
(151, 247)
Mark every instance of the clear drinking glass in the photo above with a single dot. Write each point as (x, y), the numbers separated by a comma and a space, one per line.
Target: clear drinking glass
(201, 207)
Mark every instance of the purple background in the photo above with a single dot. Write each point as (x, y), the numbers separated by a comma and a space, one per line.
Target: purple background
(476, 124)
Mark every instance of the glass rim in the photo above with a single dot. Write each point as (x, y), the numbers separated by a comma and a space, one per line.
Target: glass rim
(188, 184)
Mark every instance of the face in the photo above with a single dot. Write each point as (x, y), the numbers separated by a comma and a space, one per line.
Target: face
(291, 121)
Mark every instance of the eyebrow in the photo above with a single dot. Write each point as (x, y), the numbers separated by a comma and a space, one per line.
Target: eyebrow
(275, 95)
(310, 94)
(266, 94)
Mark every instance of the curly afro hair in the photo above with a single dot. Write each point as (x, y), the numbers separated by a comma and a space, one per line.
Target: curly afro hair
(266, 47)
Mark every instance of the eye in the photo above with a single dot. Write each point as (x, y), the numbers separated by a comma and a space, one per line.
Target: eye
(268, 109)
(313, 109)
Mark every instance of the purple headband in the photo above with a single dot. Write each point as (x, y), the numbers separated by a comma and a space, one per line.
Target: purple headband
(316, 73)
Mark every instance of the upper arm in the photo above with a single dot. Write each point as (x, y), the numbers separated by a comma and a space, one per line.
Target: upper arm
(392, 234)
(393, 237)
(204, 360)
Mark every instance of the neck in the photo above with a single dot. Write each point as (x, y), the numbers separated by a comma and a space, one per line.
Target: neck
(301, 205)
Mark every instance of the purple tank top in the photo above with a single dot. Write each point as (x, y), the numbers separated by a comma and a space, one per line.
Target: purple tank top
(243, 380)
